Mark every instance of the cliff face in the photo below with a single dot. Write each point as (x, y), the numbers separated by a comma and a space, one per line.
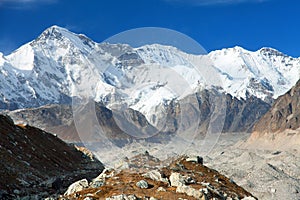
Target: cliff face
(240, 116)
(38, 163)
(284, 114)
(279, 128)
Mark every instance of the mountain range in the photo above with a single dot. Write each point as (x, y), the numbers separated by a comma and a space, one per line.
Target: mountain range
(60, 65)
(56, 80)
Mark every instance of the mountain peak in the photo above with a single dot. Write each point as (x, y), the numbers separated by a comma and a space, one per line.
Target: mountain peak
(268, 51)
(235, 49)
(58, 36)
(54, 32)
(58, 28)
(238, 48)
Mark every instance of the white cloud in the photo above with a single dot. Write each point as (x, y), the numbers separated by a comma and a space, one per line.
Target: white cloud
(214, 2)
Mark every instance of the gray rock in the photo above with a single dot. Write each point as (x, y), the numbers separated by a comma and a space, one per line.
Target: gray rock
(51, 198)
(155, 175)
(96, 184)
(176, 179)
(106, 173)
(273, 190)
(122, 197)
(17, 191)
(77, 186)
(248, 198)
(196, 159)
(88, 198)
(142, 184)
(204, 190)
(189, 191)
(189, 180)
(161, 189)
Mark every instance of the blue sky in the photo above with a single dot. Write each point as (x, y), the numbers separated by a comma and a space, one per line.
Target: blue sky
(215, 24)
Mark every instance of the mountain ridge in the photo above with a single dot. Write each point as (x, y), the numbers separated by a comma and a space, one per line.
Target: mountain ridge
(85, 44)
(279, 127)
(56, 66)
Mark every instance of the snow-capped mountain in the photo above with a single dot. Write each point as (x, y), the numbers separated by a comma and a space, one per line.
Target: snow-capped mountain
(59, 65)
(263, 73)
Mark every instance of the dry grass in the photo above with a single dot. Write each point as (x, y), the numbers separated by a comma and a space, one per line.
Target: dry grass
(124, 182)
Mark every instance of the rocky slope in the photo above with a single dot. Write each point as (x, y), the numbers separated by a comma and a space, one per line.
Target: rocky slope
(58, 119)
(36, 163)
(183, 178)
(280, 126)
(284, 114)
(240, 116)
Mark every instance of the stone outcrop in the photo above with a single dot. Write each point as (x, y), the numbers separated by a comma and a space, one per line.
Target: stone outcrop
(77, 186)
(181, 179)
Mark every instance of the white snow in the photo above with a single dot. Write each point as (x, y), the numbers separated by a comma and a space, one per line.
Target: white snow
(281, 72)
(62, 62)
(22, 58)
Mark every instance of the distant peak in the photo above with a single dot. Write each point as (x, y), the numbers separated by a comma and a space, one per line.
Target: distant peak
(52, 32)
(56, 28)
(157, 46)
(235, 49)
(238, 48)
(55, 36)
(268, 51)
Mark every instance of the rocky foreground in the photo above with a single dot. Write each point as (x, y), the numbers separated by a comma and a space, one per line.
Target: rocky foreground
(183, 178)
(38, 165)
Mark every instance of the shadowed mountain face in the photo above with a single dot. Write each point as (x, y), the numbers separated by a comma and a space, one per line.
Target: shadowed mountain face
(36, 162)
(284, 114)
(58, 119)
(279, 128)
(240, 115)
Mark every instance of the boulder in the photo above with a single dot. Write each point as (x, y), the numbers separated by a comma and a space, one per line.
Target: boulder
(161, 189)
(195, 159)
(155, 175)
(77, 186)
(190, 191)
(176, 179)
(142, 184)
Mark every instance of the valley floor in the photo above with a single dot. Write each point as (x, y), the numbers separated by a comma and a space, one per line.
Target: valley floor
(267, 174)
